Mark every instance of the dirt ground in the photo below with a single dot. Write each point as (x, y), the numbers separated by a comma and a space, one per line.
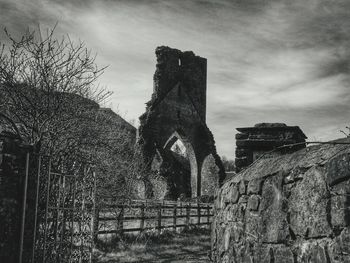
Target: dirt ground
(190, 246)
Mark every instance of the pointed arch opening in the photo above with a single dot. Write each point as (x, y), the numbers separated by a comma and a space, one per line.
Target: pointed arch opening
(182, 150)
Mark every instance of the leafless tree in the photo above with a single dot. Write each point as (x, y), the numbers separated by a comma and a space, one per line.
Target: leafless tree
(37, 74)
(48, 88)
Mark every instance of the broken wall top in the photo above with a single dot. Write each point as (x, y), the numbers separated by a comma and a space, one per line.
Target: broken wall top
(173, 67)
(305, 158)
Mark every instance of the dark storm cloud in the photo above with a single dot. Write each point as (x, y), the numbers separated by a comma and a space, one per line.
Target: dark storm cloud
(268, 60)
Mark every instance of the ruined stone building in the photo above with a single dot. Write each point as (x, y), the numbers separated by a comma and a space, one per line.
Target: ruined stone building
(175, 139)
(264, 140)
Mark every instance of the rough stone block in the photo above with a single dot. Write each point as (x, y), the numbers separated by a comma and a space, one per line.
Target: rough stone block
(319, 255)
(263, 254)
(254, 186)
(343, 241)
(234, 194)
(338, 169)
(242, 187)
(288, 179)
(220, 245)
(313, 252)
(229, 213)
(339, 248)
(243, 199)
(340, 211)
(226, 238)
(283, 254)
(237, 214)
(226, 259)
(308, 206)
(224, 197)
(273, 211)
(241, 208)
(252, 226)
(237, 233)
(253, 203)
(340, 205)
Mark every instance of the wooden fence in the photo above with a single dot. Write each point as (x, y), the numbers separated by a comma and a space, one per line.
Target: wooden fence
(142, 215)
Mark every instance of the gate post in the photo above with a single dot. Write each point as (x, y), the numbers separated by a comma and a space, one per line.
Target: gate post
(15, 221)
(24, 206)
(96, 212)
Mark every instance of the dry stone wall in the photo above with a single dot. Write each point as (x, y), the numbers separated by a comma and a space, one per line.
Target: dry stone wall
(293, 208)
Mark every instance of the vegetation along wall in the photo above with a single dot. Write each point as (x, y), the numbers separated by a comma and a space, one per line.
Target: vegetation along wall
(293, 208)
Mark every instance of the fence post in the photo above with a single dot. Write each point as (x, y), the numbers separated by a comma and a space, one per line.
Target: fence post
(188, 211)
(142, 223)
(159, 218)
(120, 220)
(198, 214)
(208, 215)
(174, 216)
(96, 224)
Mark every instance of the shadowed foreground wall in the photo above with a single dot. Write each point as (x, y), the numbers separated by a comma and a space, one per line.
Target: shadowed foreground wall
(293, 208)
(12, 165)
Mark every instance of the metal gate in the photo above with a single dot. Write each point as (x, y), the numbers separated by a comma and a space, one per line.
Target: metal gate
(64, 213)
(47, 211)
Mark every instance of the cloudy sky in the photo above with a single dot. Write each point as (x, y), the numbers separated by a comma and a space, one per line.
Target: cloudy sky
(268, 61)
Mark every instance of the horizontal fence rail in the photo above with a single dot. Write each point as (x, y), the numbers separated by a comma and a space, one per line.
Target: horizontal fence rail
(142, 215)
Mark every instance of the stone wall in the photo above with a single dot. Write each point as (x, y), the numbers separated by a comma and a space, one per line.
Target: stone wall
(293, 208)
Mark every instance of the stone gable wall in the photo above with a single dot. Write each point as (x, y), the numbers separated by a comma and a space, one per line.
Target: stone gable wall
(177, 109)
(293, 208)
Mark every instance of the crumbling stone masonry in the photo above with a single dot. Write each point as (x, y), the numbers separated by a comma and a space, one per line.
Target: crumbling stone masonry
(263, 140)
(177, 112)
(292, 208)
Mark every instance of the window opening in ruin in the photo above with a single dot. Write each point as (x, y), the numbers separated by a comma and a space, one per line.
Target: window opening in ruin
(184, 156)
(179, 148)
(179, 62)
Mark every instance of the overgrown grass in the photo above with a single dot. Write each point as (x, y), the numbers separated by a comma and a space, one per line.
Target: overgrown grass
(152, 247)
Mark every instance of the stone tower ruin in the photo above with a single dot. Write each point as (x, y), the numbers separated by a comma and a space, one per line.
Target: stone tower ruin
(175, 139)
